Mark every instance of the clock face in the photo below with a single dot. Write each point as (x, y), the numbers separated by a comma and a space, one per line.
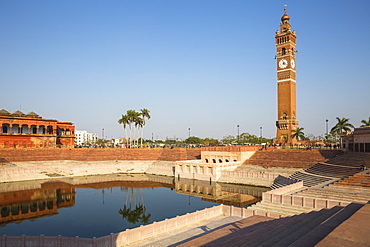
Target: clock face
(292, 63)
(283, 63)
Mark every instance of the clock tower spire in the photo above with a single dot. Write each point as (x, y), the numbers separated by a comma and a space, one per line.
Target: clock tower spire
(286, 82)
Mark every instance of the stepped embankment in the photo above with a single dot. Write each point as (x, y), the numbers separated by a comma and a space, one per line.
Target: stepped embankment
(291, 158)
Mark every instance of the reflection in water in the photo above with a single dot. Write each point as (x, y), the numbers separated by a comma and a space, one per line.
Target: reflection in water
(74, 203)
(17, 206)
(136, 211)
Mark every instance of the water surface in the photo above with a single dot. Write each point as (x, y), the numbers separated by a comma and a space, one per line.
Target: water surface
(95, 206)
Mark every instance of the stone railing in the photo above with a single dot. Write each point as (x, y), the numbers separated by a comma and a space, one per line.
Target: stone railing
(136, 234)
(250, 174)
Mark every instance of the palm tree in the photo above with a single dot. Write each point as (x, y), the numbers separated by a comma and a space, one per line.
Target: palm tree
(365, 123)
(298, 133)
(133, 118)
(342, 125)
(124, 121)
(145, 113)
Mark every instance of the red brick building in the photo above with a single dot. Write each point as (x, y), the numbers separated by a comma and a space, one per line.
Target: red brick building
(19, 130)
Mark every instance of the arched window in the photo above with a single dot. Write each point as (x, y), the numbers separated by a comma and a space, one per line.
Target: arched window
(206, 160)
(213, 160)
(284, 116)
(283, 51)
(220, 160)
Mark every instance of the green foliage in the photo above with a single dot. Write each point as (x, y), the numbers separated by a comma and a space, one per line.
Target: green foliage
(332, 138)
(102, 142)
(365, 123)
(210, 141)
(228, 139)
(298, 134)
(194, 140)
(342, 125)
(135, 121)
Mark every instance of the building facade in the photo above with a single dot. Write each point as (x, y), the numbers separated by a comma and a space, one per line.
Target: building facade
(19, 130)
(286, 82)
(357, 140)
(83, 137)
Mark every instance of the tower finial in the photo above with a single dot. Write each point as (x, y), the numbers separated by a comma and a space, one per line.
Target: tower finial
(285, 8)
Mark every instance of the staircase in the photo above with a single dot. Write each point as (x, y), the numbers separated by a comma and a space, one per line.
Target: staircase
(294, 158)
(325, 172)
(306, 229)
(279, 209)
(358, 180)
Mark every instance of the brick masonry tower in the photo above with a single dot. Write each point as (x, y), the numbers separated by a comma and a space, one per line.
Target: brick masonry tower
(286, 82)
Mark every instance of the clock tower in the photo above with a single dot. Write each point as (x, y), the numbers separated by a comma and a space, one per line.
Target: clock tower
(286, 82)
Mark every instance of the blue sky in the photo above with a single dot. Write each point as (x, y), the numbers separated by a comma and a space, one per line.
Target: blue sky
(207, 65)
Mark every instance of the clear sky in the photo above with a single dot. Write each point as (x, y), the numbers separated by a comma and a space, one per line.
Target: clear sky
(207, 65)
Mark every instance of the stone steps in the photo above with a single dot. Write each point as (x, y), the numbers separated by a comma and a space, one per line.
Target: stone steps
(336, 196)
(345, 188)
(353, 184)
(351, 159)
(296, 228)
(306, 229)
(318, 233)
(329, 170)
(308, 179)
(280, 209)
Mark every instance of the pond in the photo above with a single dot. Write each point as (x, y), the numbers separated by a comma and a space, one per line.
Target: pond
(96, 206)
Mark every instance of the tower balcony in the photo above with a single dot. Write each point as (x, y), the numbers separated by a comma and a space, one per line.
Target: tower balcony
(284, 124)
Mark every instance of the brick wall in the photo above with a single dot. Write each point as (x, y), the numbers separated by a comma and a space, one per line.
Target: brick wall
(92, 154)
(296, 158)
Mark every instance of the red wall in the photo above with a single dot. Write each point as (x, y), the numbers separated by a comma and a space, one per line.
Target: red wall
(92, 154)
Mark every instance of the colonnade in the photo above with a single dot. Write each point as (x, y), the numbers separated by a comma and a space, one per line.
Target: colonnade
(27, 129)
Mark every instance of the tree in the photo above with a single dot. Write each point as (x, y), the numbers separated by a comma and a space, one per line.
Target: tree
(135, 121)
(228, 139)
(193, 140)
(145, 113)
(124, 121)
(210, 141)
(365, 123)
(248, 138)
(102, 142)
(342, 125)
(298, 133)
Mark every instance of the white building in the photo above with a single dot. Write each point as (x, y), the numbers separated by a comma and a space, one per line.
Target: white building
(81, 136)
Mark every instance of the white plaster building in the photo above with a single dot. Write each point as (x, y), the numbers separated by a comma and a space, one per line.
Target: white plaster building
(82, 136)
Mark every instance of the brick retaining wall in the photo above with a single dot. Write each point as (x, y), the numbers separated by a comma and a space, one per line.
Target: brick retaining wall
(297, 158)
(92, 154)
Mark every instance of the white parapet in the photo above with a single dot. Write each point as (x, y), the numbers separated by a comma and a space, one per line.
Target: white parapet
(197, 169)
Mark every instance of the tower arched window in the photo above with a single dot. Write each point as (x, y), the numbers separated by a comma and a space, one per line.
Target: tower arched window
(284, 116)
(283, 51)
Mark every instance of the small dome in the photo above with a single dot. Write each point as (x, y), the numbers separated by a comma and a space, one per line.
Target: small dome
(18, 114)
(285, 18)
(4, 112)
(32, 115)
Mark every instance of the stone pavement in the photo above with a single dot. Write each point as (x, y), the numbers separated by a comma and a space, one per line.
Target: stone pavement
(179, 235)
(337, 226)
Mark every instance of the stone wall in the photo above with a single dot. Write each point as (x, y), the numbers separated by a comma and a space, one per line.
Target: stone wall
(93, 154)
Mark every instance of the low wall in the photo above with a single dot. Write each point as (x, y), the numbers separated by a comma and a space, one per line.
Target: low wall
(249, 178)
(98, 154)
(299, 201)
(132, 235)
